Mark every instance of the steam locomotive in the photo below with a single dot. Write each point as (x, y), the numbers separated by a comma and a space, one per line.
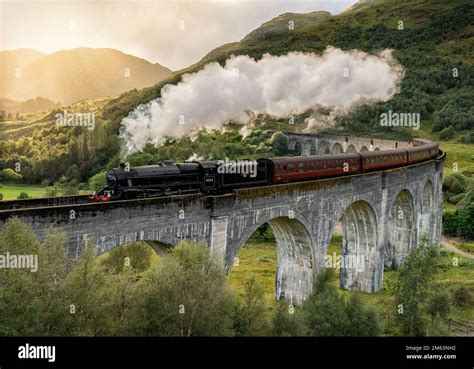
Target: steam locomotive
(217, 177)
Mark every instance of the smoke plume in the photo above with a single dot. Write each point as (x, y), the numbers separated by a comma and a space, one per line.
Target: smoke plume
(278, 86)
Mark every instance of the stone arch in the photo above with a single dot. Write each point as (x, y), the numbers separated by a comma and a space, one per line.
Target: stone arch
(309, 148)
(361, 262)
(337, 148)
(324, 148)
(296, 260)
(427, 210)
(295, 146)
(363, 149)
(376, 149)
(351, 148)
(401, 229)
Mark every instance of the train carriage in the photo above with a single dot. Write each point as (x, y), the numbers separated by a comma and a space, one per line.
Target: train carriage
(377, 160)
(295, 168)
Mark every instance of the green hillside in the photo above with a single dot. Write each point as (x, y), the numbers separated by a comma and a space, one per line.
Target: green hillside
(437, 36)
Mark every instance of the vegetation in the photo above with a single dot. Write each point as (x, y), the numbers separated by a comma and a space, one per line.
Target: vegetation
(129, 291)
(412, 289)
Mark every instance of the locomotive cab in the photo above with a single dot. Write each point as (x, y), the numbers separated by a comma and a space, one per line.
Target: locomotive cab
(208, 176)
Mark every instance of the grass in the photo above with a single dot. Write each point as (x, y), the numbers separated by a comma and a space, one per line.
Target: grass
(459, 153)
(258, 258)
(12, 192)
(467, 247)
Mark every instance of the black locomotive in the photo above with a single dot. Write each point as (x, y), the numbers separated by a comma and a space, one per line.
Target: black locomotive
(169, 178)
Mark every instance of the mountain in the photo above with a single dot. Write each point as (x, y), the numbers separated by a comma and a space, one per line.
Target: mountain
(27, 106)
(71, 75)
(278, 26)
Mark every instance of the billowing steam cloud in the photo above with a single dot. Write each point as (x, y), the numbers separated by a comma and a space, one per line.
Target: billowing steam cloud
(275, 85)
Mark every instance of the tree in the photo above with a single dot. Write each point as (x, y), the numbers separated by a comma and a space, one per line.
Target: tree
(23, 195)
(87, 296)
(73, 173)
(287, 320)
(329, 314)
(135, 255)
(413, 286)
(249, 318)
(184, 295)
(324, 308)
(54, 266)
(123, 289)
(362, 320)
(18, 294)
(279, 143)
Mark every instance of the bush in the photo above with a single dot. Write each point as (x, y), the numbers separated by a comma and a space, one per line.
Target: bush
(456, 198)
(23, 195)
(1, 196)
(461, 296)
(9, 175)
(446, 133)
(455, 183)
(439, 304)
(52, 191)
(468, 138)
(460, 222)
(97, 182)
(70, 191)
(135, 255)
(287, 320)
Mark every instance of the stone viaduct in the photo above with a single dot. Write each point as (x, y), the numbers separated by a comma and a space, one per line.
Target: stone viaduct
(383, 216)
(308, 144)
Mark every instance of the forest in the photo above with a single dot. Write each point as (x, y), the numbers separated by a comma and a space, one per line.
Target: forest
(184, 293)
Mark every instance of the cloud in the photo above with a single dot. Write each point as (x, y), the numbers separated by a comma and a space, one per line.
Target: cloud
(278, 86)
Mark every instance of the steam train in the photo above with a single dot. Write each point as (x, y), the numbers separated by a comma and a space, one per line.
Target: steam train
(217, 177)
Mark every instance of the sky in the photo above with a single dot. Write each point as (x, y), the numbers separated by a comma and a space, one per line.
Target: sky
(174, 33)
